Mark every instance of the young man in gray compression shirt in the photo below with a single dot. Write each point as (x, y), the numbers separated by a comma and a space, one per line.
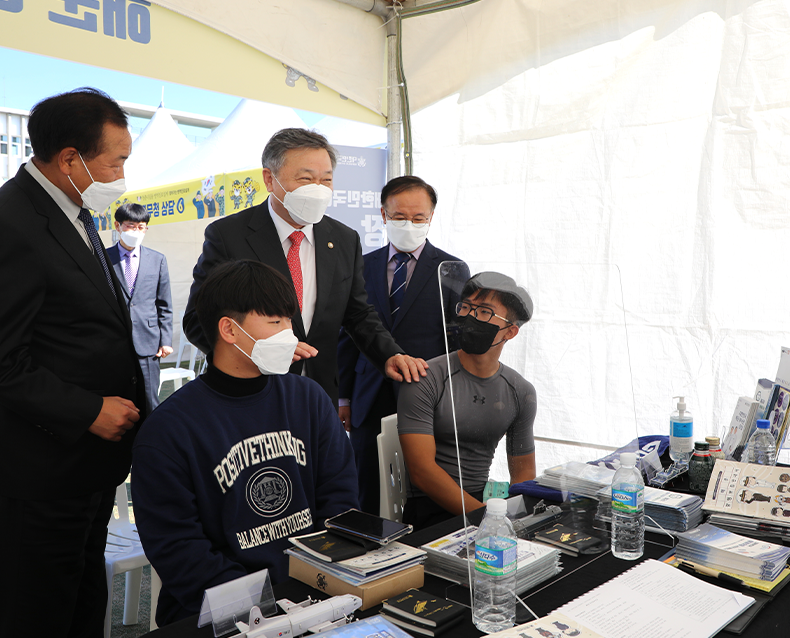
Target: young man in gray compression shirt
(491, 401)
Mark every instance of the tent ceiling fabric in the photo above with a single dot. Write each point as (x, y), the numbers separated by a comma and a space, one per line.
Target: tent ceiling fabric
(335, 44)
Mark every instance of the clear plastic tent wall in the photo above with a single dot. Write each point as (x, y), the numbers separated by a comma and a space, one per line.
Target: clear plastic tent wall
(654, 141)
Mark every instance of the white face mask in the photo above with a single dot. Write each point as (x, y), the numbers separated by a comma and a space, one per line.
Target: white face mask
(406, 238)
(132, 238)
(98, 196)
(272, 355)
(306, 204)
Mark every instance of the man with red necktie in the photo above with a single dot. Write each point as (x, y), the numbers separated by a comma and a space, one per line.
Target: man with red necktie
(321, 256)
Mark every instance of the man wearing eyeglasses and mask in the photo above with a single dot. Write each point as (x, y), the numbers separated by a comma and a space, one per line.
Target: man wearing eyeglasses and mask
(402, 285)
(489, 400)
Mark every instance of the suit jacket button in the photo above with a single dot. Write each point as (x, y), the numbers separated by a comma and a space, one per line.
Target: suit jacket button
(134, 380)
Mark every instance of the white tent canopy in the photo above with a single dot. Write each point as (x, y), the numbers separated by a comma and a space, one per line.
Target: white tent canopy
(160, 145)
(645, 135)
(234, 145)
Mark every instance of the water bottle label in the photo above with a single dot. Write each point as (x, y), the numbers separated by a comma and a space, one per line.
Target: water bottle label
(681, 429)
(497, 562)
(627, 500)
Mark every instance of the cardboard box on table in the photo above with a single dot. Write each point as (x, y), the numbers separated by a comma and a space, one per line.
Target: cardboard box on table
(371, 593)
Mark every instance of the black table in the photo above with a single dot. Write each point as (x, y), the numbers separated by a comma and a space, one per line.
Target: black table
(579, 575)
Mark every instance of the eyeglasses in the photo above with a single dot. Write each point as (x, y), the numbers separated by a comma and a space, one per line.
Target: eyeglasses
(420, 220)
(133, 226)
(481, 313)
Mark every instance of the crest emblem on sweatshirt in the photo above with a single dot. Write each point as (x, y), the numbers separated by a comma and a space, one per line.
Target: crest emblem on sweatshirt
(269, 491)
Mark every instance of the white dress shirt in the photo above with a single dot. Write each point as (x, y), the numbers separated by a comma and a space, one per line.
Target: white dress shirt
(69, 208)
(307, 259)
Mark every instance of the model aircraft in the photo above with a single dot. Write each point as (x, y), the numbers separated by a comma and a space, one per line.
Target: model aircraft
(300, 618)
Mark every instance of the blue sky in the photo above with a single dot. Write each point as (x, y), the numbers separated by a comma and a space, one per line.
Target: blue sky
(26, 78)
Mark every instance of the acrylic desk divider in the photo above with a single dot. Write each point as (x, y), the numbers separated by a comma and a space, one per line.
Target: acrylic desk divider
(224, 605)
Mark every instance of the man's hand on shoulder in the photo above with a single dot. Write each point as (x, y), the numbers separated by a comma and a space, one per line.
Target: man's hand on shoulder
(116, 417)
(402, 367)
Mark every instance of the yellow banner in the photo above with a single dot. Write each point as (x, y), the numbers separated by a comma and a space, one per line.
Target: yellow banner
(215, 196)
(138, 37)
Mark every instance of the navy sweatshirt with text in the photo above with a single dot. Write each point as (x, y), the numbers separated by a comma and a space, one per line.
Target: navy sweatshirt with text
(219, 483)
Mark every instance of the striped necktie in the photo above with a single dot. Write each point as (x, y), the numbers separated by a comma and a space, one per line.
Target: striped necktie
(98, 249)
(398, 288)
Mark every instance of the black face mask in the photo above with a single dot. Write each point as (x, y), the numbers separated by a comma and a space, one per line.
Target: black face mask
(476, 337)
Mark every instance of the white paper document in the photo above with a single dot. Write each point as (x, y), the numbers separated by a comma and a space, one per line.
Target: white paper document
(656, 600)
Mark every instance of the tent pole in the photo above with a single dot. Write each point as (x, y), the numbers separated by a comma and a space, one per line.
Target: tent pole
(394, 118)
(393, 104)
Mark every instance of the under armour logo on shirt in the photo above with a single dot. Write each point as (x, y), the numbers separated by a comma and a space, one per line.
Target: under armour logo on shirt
(477, 399)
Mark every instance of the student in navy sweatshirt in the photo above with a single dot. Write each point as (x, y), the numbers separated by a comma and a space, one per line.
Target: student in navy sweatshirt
(243, 457)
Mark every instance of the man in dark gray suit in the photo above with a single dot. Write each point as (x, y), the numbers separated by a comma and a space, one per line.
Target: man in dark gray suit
(146, 289)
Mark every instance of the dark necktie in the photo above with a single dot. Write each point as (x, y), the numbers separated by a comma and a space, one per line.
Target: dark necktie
(398, 288)
(90, 228)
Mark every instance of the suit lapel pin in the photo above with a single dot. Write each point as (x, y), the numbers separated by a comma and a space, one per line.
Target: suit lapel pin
(331, 245)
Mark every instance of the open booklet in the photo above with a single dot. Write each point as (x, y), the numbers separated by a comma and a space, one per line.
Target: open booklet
(657, 600)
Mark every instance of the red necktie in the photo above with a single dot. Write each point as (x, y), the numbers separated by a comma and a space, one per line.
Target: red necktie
(294, 264)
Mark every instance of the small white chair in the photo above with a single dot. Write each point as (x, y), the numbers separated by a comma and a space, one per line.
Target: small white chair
(178, 374)
(393, 478)
(124, 554)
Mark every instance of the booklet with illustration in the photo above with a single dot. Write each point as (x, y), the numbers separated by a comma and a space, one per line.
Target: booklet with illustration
(750, 497)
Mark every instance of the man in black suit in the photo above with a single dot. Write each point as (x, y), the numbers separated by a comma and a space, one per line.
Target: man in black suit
(403, 286)
(321, 257)
(145, 282)
(69, 378)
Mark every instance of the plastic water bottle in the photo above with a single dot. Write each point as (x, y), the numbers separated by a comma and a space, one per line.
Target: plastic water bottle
(628, 509)
(495, 570)
(762, 445)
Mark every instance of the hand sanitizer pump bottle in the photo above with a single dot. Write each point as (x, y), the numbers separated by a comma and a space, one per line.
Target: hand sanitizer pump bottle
(681, 433)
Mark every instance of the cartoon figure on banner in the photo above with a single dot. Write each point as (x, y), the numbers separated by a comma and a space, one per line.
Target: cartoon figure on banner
(236, 194)
(197, 200)
(250, 188)
(208, 196)
(221, 201)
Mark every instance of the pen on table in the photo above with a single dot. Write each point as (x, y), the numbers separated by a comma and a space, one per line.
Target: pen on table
(707, 571)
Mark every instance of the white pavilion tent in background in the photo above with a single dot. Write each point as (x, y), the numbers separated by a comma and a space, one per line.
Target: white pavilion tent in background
(160, 145)
(234, 145)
